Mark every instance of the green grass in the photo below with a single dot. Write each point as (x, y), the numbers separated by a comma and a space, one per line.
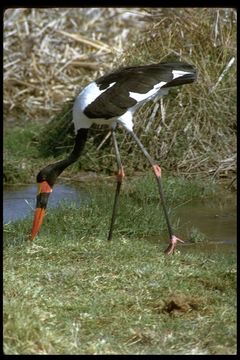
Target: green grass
(73, 292)
(88, 296)
(21, 157)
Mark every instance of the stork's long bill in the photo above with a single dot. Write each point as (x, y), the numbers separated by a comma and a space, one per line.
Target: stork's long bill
(42, 200)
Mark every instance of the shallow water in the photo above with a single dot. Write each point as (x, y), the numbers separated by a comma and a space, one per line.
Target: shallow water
(20, 202)
(215, 218)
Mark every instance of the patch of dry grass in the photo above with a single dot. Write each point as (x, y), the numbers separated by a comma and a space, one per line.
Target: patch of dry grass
(49, 54)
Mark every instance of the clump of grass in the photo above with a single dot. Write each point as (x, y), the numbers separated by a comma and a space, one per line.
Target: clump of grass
(196, 236)
(21, 156)
(194, 129)
(56, 137)
(199, 119)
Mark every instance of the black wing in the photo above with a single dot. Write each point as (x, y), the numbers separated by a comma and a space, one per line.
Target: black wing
(116, 100)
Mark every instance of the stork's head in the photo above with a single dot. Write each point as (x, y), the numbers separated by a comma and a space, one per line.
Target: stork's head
(45, 181)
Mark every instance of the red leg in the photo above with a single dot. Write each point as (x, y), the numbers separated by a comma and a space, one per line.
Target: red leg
(120, 176)
(173, 239)
(172, 246)
(157, 171)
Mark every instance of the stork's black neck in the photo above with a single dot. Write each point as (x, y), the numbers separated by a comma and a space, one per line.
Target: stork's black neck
(80, 141)
(51, 172)
(78, 147)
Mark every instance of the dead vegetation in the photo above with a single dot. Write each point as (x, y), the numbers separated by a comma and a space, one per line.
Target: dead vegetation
(50, 54)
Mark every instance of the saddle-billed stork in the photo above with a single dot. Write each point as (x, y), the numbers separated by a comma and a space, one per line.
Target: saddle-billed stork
(113, 99)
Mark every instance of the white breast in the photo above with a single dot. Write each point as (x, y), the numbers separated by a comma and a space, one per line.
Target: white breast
(86, 97)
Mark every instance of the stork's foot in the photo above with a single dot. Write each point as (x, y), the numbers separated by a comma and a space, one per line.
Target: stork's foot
(172, 246)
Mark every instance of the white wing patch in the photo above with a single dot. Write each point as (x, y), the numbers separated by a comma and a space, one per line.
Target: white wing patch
(151, 93)
(110, 85)
(179, 73)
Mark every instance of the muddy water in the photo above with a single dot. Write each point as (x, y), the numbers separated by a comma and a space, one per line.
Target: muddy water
(216, 219)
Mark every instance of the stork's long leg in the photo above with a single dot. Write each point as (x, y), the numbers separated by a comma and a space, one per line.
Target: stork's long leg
(157, 171)
(120, 176)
